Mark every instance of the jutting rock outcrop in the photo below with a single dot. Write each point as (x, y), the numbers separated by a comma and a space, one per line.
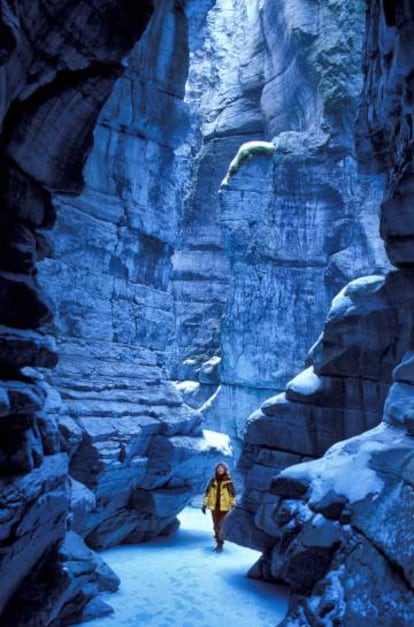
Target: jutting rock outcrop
(103, 449)
(338, 529)
(276, 86)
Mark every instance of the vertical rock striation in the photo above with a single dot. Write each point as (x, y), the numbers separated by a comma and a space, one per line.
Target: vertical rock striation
(223, 114)
(104, 445)
(258, 264)
(337, 529)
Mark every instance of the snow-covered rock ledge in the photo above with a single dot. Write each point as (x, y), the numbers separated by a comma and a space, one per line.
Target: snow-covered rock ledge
(348, 540)
(338, 529)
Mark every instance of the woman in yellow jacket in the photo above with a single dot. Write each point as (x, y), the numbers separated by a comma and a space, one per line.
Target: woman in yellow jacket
(219, 498)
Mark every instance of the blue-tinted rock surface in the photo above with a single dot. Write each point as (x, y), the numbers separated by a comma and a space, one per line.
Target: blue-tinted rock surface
(115, 422)
(337, 529)
(152, 269)
(136, 442)
(57, 68)
(257, 265)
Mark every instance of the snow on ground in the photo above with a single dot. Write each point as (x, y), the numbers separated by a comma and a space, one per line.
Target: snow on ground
(181, 582)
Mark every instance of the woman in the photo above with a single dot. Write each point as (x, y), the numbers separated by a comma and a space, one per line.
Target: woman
(219, 498)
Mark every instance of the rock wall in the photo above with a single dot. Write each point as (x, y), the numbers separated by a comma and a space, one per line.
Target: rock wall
(58, 67)
(103, 448)
(258, 264)
(224, 112)
(336, 529)
(201, 270)
(125, 426)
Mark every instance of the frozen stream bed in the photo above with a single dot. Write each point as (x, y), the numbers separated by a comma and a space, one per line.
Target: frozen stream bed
(181, 582)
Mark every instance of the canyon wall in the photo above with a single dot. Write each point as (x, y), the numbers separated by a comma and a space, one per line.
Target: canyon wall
(337, 529)
(151, 275)
(59, 63)
(257, 265)
(126, 429)
(101, 449)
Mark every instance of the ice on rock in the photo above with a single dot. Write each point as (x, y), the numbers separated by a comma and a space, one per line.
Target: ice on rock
(210, 401)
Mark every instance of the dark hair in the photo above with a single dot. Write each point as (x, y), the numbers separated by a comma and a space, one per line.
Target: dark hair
(226, 470)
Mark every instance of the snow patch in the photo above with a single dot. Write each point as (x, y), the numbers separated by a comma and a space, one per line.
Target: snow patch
(212, 362)
(305, 383)
(187, 387)
(346, 473)
(344, 301)
(246, 152)
(332, 598)
(365, 285)
(218, 441)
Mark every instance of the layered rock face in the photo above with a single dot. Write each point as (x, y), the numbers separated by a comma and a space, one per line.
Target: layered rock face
(201, 270)
(225, 112)
(126, 429)
(296, 220)
(59, 62)
(337, 529)
(104, 446)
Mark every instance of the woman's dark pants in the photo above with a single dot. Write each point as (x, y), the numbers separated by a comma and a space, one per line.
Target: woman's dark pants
(218, 518)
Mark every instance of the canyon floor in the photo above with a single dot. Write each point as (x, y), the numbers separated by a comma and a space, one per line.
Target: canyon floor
(181, 582)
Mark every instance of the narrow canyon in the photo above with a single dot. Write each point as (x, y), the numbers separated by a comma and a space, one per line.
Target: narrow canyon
(207, 254)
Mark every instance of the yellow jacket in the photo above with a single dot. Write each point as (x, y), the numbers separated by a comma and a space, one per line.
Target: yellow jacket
(227, 496)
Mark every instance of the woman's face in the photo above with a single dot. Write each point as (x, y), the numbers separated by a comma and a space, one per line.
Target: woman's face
(220, 470)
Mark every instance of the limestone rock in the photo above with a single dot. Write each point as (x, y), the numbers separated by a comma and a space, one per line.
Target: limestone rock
(296, 219)
(78, 575)
(352, 492)
(210, 371)
(34, 509)
(384, 121)
(82, 502)
(58, 65)
(26, 348)
(4, 402)
(132, 441)
(375, 485)
(22, 303)
(194, 394)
